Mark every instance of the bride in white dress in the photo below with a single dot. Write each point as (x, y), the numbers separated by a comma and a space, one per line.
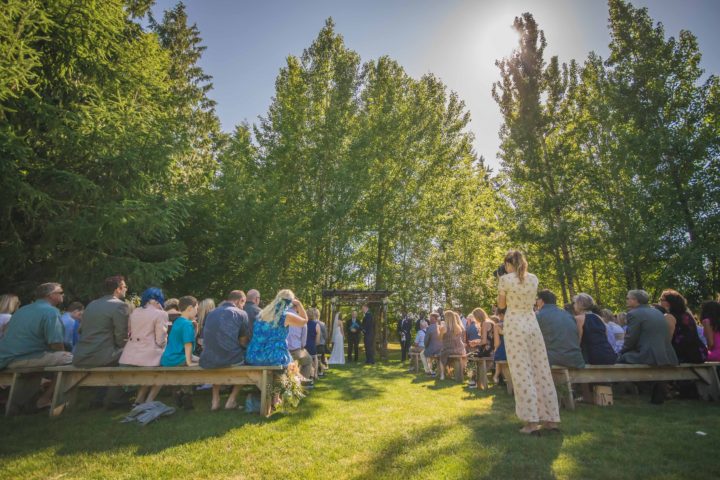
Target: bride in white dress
(337, 357)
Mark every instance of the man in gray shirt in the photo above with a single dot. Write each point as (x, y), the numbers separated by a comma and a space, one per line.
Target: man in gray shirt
(559, 332)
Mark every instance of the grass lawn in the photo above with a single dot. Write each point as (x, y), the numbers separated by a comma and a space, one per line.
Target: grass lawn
(370, 422)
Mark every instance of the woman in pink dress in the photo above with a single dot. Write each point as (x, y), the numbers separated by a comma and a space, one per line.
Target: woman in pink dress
(147, 336)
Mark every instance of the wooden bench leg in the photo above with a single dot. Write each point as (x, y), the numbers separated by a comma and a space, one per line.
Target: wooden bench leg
(65, 394)
(570, 398)
(265, 392)
(24, 387)
(459, 372)
(482, 375)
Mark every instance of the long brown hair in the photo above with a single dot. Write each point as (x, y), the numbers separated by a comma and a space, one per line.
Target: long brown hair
(517, 260)
(480, 315)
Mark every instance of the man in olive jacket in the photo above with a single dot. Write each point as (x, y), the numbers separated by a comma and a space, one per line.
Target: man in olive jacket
(104, 329)
(103, 334)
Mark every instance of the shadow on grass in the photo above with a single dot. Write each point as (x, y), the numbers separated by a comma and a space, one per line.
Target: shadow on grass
(76, 430)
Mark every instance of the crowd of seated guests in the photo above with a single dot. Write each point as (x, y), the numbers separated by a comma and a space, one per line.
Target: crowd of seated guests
(111, 332)
(581, 333)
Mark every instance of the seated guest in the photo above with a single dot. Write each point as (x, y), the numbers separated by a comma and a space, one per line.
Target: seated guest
(103, 335)
(71, 324)
(472, 334)
(594, 343)
(252, 307)
(34, 336)
(647, 340)
(621, 319)
(615, 333)
(180, 345)
(500, 355)
(171, 307)
(147, 337)
(418, 345)
(486, 345)
(270, 341)
(204, 307)
(685, 340)
(710, 316)
(227, 334)
(452, 334)
(559, 331)
(433, 341)
(9, 304)
(296, 340)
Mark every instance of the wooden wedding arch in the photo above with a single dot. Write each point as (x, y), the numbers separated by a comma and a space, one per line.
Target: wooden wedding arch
(377, 300)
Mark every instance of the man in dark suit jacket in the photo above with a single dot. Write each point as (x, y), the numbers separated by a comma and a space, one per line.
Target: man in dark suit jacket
(368, 328)
(648, 338)
(405, 335)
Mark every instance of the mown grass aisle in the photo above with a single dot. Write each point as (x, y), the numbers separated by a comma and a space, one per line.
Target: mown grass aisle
(370, 422)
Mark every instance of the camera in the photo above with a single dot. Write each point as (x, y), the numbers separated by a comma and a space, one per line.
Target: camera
(500, 271)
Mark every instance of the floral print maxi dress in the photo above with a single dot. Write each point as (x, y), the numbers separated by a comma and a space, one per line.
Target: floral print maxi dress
(535, 395)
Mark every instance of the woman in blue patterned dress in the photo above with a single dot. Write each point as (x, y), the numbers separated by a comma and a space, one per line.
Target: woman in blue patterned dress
(269, 341)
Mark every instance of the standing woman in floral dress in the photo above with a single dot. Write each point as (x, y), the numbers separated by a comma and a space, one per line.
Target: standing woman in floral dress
(536, 401)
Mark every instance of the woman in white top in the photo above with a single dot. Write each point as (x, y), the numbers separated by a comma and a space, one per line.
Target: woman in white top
(337, 357)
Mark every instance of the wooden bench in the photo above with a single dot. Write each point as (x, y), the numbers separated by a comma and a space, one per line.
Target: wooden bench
(415, 357)
(69, 379)
(24, 383)
(483, 366)
(459, 369)
(705, 374)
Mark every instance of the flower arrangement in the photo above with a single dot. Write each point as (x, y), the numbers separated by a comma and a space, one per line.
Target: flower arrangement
(287, 390)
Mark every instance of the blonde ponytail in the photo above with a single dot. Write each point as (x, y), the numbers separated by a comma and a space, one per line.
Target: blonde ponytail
(517, 260)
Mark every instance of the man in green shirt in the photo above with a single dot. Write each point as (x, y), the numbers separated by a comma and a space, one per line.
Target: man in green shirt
(34, 336)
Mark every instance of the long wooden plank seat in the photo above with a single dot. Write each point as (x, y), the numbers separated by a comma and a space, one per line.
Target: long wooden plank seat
(70, 378)
(704, 374)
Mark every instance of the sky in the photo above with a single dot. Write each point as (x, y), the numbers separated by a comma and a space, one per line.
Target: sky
(457, 40)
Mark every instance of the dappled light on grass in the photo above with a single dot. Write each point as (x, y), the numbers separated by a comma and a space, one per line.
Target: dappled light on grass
(368, 422)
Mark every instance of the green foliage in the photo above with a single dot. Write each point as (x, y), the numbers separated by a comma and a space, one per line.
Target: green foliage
(607, 164)
(358, 176)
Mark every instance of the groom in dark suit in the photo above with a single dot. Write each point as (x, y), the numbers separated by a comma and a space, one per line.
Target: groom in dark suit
(368, 328)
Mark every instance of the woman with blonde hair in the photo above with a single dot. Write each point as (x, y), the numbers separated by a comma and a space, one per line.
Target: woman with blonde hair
(204, 307)
(486, 343)
(535, 396)
(9, 304)
(452, 334)
(269, 341)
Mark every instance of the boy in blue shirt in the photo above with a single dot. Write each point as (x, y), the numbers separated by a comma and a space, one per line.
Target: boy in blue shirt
(181, 343)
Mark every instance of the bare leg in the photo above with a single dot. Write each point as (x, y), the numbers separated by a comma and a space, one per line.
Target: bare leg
(215, 405)
(142, 393)
(441, 367)
(154, 391)
(232, 399)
